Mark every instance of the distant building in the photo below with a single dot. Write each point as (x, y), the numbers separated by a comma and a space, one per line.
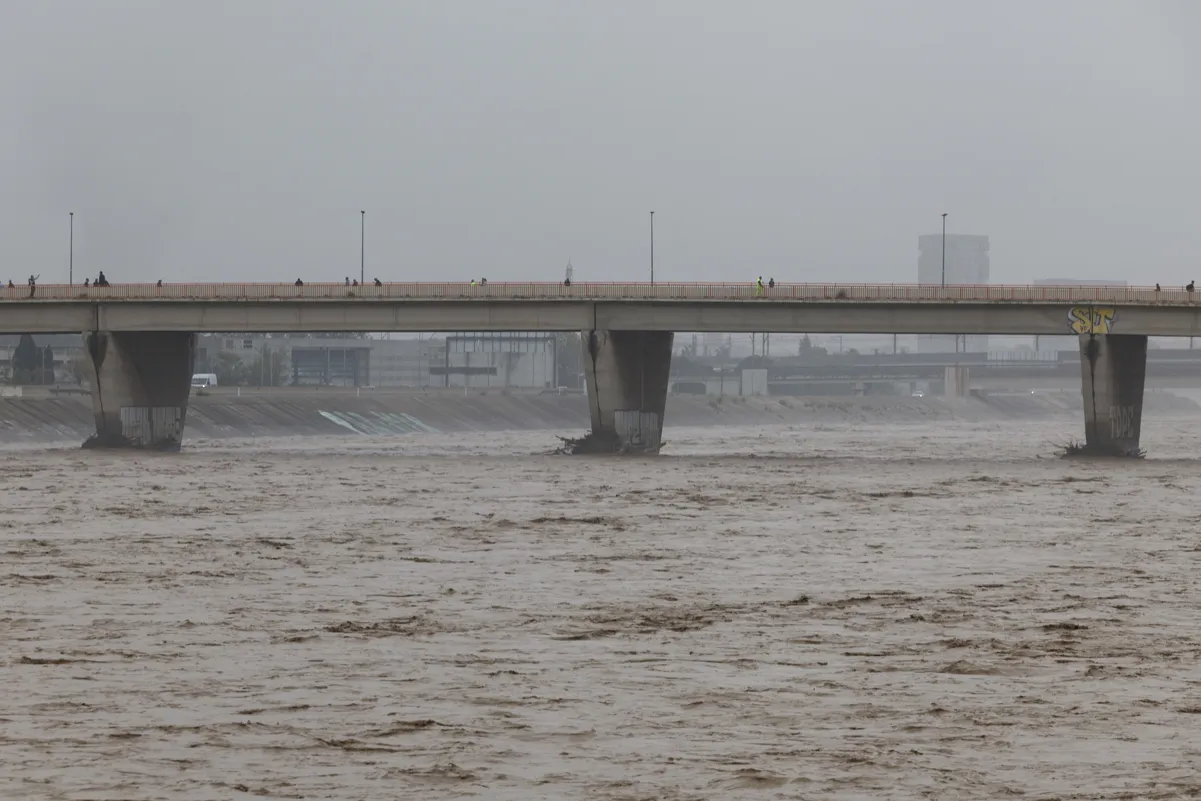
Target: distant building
(497, 360)
(966, 263)
(479, 360)
(967, 259)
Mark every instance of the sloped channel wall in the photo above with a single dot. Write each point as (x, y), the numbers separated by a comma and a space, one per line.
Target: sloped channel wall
(70, 418)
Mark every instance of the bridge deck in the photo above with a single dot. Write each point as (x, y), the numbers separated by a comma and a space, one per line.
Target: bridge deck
(819, 293)
(786, 308)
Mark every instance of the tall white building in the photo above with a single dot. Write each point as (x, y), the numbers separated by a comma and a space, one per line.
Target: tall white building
(966, 263)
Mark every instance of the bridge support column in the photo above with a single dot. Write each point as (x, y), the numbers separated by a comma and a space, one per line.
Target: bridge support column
(627, 373)
(955, 381)
(1113, 371)
(140, 387)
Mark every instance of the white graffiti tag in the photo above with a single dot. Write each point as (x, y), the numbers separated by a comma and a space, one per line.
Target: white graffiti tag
(1121, 422)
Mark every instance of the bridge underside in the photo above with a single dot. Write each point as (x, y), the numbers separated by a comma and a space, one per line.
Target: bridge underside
(141, 385)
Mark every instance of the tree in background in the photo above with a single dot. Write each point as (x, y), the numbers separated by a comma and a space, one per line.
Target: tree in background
(24, 360)
(31, 364)
(684, 365)
(268, 369)
(229, 369)
(752, 362)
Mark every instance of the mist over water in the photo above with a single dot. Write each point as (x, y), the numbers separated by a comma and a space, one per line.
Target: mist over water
(841, 611)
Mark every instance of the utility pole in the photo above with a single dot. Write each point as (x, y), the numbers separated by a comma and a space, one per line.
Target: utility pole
(652, 248)
(362, 247)
(71, 257)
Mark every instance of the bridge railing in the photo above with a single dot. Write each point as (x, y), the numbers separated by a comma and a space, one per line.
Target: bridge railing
(603, 291)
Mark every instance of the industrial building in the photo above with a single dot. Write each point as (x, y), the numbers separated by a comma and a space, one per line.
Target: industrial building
(475, 360)
(483, 361)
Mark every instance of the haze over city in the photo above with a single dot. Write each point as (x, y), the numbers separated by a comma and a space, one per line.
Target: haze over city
(226, 141)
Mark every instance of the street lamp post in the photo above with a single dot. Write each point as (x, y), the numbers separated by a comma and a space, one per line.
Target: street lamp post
(652, 248)
(71, 254)
(944, 249)
(362, 247)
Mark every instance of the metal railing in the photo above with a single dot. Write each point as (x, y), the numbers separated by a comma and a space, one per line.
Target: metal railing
(861, 293)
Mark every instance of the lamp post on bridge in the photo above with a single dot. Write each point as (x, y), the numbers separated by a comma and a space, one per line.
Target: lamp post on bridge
(362, 247)
(652, 248)
(944, 248)
(71, 254)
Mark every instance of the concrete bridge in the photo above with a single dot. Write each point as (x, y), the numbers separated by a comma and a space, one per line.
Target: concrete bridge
(140, 337)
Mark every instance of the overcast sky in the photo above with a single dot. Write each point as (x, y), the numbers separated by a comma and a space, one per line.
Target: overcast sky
(811, 141)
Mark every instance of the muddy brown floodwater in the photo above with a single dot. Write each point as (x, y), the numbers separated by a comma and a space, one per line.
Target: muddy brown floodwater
(840, 613)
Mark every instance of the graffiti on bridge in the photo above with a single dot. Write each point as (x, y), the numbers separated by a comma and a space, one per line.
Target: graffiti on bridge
(1092, 319)
(1121, 422)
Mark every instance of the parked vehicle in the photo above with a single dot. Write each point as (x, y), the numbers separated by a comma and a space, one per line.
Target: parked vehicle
(204, 380)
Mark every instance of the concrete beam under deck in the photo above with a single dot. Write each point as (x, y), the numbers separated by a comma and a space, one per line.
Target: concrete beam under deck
(351, 316)
(888, 318)
(755, 316)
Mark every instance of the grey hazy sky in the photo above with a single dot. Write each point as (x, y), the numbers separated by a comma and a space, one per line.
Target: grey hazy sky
(812, 141)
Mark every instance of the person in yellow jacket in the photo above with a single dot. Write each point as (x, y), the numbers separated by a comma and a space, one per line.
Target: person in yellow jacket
(759, 287)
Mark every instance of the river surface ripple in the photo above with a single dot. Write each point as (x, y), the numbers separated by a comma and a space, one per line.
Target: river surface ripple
(842, 612)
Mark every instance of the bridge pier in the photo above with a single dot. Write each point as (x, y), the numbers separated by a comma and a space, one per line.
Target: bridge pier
(1113, 371)
(141, 382)
(627, 373)
(955, 381)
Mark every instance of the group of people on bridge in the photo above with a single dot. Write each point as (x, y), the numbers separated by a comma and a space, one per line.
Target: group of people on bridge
(99, 281)
(771, 284)
(33, 284)
(349, 282)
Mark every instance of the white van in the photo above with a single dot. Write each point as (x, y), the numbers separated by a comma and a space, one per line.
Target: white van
(204, 380)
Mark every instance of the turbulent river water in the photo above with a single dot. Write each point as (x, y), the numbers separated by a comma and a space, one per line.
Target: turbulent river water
(848, 612)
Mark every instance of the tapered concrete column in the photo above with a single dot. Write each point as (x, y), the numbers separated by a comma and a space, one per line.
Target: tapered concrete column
(140, 387)
(627, 373)
(1113, 370)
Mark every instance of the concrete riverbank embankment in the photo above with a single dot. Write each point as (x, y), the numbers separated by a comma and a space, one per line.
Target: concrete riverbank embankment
(70, 418)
